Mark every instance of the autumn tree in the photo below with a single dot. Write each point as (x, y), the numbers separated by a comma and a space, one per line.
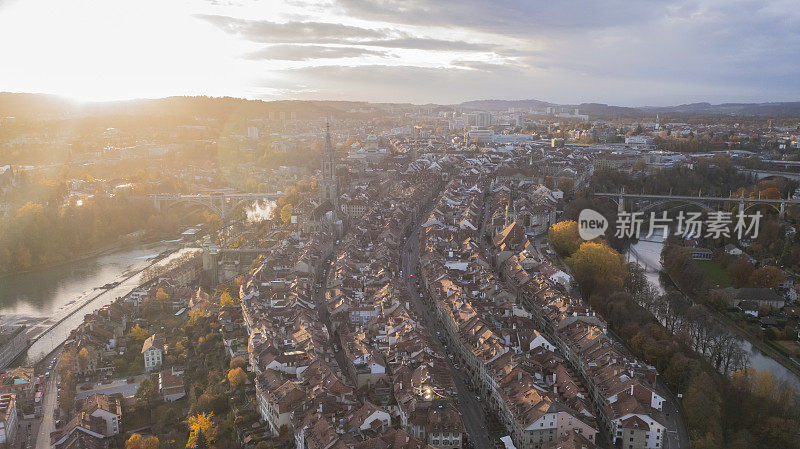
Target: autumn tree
(161, 295)
(597, 268)
(138, 333)
(67, 362)
(564, 237)
(202, 430)
(236, 377)
(227, 300)
(286, 213)
(83, 359)
(238, 362)
(137, 442)
(768, 276)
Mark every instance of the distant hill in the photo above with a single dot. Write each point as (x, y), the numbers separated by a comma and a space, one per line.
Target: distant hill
(21, 105)
(503, 105)
(42, 105)
(781, 109)
(593, 109)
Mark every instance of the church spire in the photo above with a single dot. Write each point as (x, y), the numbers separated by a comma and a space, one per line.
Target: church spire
(329, 186)
(328, 146)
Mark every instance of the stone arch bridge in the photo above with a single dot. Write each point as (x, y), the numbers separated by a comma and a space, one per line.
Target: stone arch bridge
(647, 202)
(222, 204)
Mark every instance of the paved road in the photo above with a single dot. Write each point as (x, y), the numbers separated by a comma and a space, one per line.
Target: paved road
(471, 409)
(49, 402)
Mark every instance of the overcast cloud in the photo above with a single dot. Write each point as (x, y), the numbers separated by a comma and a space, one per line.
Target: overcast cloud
(643, 52)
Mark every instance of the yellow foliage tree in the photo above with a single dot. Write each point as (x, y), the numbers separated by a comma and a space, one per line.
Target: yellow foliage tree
(236, 377)
(137, 442)
(597, 268)
(286, 213)
(161, 295)
(83, 359)
(138, 333)
(564, 237)
(227, 300)
(201, 423)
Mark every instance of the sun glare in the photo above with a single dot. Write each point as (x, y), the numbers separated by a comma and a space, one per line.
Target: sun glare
(113, 50)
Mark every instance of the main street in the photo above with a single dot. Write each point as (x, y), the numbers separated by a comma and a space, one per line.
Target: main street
(49, 402)
(470, 407)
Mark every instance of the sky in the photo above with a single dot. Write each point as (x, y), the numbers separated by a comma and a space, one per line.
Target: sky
(630, 53)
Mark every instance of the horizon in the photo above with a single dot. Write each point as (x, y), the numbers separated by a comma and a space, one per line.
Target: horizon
(77, 101)
(633, 55)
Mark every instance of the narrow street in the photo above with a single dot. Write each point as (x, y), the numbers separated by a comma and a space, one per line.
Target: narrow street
(471, 409)
(49, 402)
(322, 309)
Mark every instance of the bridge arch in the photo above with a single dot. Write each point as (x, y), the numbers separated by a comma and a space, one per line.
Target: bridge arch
(750, 205)
(167, 203)
(657, 204)
(221, 205)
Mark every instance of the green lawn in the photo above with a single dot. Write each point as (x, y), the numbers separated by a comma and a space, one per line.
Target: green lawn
(715, 272)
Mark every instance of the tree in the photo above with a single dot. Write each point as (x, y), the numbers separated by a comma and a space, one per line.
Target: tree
(236, 377)
(227, 300)
(202, 430)
(740, 272)
(67, 362)
(161, 295)
(238, 362)
(138, 333)
(564, 237)
(137, 442)
(147, 393)
(597, 268)
(768, 276)
(83, 359)
(286, 213)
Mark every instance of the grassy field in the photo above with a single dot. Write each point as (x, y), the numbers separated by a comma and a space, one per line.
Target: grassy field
(715, 272)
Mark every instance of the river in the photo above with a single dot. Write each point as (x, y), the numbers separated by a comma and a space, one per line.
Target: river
(41, 298)
(648, 255)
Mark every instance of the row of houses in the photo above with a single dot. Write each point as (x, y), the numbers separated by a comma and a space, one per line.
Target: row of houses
(387, 353)
(620, 387)
(537, 397)
(300, 386)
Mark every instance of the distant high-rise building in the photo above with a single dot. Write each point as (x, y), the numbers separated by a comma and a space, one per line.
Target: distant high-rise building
(328, 185)
(252, 132)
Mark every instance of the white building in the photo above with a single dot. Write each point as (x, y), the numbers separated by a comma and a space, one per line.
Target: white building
(252, 132)
(152, 350)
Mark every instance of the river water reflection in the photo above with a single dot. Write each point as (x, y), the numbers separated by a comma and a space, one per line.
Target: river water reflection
(647, 253)
(42, 297)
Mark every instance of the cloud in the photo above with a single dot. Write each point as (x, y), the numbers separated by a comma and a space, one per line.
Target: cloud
(264, 31)
(429, 44)
(615, 51)
(291, 52)
(448, 85)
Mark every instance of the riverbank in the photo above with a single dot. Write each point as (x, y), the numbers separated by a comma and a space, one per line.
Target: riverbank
(741, 332)
(98, 252)
(760, 356)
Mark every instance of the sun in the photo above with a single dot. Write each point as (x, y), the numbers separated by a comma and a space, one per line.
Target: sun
(107, 50)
